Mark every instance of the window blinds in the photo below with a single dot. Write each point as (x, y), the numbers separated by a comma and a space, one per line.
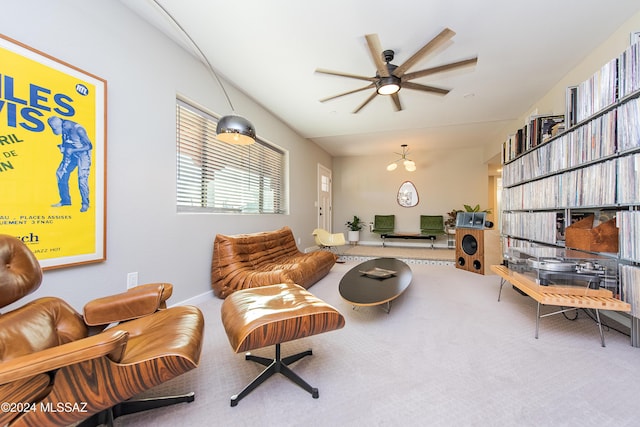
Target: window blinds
(213, 176)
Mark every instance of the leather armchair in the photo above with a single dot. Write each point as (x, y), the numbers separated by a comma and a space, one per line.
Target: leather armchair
(61, 367)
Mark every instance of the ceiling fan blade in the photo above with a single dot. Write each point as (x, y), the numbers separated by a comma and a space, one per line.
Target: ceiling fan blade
(341, 74)
(376, 54)
(435, 43)
(425, 88)
(346, 93)
(440, 68)
(368, 100)
(396, 102)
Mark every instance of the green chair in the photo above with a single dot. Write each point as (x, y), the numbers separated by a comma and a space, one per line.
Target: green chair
(384, 224)
(432, 226)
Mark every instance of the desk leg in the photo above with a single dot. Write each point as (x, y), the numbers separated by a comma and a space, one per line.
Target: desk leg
(600, 327)
(537, 320)
(502, 281)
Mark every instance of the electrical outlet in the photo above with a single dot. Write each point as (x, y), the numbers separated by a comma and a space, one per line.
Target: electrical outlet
(132, 280)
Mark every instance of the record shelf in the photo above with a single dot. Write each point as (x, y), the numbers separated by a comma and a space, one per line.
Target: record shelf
(591, 166)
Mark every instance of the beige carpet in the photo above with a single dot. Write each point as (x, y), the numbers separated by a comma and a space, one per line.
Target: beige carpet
(448, 354)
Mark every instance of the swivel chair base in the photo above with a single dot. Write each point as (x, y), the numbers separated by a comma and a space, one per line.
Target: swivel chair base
(276, 365)
(132, 406)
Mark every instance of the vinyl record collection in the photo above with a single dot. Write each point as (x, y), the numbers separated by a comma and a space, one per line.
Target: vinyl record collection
(629, 66)
(598, 92)
(593, 165)
(589, 186)
(629, 225)
(630, 284)
(538, 130)
(629, 125)
(589, 142)
(537, 226)
(629, 179)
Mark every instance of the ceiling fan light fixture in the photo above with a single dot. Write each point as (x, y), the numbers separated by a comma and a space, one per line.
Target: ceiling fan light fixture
(388, 85)
(392, 166)
(234, 129)
(389, 79)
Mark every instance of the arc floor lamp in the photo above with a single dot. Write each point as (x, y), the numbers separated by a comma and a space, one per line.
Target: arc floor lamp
(233, 128)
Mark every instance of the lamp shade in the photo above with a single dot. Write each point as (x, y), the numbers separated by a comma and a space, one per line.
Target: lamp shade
(392, 166)
(235, 129)
(388, 85)
(410, 165)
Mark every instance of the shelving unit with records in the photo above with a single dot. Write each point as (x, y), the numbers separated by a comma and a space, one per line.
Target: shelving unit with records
(592, 167)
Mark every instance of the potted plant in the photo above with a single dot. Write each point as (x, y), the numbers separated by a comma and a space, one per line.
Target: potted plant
(450, 222)
(354, 226)
(475, 208)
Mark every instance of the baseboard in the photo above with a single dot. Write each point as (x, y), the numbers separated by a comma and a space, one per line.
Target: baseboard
(196, 300)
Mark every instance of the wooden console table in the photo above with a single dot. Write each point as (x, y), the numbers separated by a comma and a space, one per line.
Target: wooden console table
(562, 296)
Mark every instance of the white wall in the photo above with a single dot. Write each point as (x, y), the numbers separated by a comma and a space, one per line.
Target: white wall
(445, 180)
(144, 72)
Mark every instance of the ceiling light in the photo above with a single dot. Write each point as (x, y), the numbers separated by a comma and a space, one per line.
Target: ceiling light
(232, 129)
(409, 164)
(388, 85)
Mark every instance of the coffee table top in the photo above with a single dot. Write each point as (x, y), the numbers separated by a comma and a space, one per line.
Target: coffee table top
(377, 287)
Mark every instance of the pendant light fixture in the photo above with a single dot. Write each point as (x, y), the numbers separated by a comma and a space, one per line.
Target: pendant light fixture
(232, 129)
(409, 164)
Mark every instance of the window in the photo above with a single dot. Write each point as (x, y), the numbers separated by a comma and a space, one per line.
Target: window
(214, 176)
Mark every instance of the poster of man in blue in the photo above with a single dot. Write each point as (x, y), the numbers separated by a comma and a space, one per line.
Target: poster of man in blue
(52, 156)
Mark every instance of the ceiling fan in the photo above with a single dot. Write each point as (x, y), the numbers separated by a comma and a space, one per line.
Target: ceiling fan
(389, 78)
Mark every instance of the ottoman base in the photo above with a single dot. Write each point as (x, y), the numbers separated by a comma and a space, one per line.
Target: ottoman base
(277, 365)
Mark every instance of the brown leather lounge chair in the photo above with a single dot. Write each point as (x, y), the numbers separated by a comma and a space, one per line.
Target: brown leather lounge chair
(54, 372)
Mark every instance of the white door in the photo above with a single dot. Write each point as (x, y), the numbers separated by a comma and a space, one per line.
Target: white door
(324, 197)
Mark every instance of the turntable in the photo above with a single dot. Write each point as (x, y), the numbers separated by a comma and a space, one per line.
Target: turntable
(556, 266)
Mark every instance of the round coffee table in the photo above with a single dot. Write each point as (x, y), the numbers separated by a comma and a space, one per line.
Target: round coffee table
(375, 282)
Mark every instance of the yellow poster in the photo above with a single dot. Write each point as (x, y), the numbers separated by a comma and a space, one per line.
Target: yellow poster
(52, 148)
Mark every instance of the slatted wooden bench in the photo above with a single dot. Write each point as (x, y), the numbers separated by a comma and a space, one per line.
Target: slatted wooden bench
(568, 297)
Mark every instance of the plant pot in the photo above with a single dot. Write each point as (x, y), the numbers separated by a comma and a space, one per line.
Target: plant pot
(354, 236)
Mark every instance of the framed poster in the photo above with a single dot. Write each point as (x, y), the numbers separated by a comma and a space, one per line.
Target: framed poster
(52, 156)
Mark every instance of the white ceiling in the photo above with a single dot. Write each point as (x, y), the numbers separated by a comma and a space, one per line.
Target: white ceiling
(270, 49)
